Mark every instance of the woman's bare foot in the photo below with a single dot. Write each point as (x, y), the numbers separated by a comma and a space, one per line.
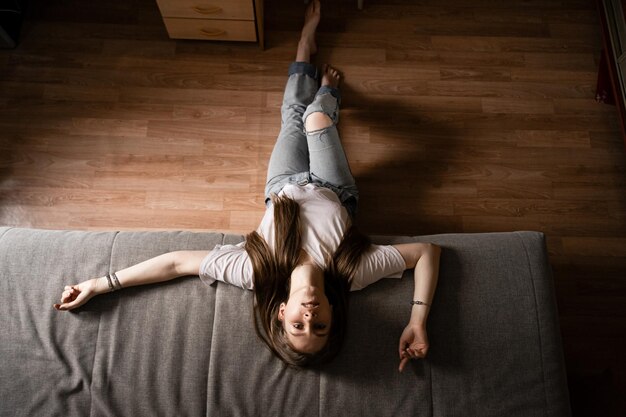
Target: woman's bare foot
(331, 77)
(307, 45)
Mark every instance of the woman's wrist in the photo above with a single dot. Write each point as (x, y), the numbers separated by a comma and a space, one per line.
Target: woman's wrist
(100, 285)
(419, 313)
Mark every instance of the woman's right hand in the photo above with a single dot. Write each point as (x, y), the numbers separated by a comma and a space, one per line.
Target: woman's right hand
(413, 344)
(76, 295)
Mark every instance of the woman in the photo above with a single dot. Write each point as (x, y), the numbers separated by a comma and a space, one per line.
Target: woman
(306, 256)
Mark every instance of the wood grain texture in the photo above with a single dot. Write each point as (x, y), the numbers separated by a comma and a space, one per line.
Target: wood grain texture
(456, 117)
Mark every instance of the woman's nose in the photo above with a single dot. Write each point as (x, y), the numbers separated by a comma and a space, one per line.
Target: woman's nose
(309, 314)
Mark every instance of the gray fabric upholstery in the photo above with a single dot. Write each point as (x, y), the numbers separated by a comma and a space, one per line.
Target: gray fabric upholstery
(184, 348)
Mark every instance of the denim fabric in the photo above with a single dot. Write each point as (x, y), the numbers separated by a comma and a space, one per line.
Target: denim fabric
(303, 68)
(335, 92)
(316, 157)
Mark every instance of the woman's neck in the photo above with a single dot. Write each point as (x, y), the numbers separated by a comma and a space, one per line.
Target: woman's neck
(306, 274)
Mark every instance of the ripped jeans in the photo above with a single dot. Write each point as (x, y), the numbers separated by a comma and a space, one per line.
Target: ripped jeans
(317, 157)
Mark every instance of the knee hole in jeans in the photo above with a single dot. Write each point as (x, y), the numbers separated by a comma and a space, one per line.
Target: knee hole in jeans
(317, 121)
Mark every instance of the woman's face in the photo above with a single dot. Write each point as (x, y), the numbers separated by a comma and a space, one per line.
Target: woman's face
(306, 318)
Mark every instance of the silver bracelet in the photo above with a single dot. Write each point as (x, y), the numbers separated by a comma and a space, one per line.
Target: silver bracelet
(419, 303)
(116, 281)
(111, 287)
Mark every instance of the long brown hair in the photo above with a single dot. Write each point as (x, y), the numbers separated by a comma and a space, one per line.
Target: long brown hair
(272, 276)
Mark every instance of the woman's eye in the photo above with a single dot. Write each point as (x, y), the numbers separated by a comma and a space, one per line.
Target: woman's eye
(298, 326)
(320, 326)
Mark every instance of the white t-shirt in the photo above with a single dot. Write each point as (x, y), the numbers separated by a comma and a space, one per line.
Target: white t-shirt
(323, 221)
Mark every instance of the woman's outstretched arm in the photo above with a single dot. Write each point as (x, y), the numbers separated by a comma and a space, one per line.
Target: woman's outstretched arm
(161, 268)
(424, 257)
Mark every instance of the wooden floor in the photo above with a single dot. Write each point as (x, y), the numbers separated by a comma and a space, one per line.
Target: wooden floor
(458, 116)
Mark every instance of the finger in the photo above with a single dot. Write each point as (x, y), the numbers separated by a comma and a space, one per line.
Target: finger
(420, 349)
(403, 363)
(69, 306)
(401, 350)
(403, 344)
(419, 353)
(80, 299)
(69, 303)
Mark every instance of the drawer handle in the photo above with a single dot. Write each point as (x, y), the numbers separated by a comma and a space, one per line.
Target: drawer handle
(207, 9)
(213, 32)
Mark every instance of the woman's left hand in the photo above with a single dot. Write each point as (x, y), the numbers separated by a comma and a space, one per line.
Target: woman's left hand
(413, 344)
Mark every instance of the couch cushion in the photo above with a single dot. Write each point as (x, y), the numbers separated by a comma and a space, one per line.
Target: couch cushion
(141, 351)
(493, 329)
(154, 342)
(47, 358)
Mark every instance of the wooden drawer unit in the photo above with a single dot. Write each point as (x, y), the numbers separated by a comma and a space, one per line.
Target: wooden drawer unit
(224, 20)
(211, 29)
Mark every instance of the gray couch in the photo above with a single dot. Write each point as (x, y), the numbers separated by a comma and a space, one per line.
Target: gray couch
(183, 348)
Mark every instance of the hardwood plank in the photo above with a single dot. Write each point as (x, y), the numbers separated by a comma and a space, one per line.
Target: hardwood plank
(554, 224)
(16, 91)
(148, 219)
(508, 207)
(512, 189)
(552, 139)
(424, 57)
(613, 190)
(207, 113)
(55, 109)
(70, 198)
(595, 246)
(512, 44)
(54, 92)
(475, 73)
(580, 106)
(541, 74)
(182, 200)
(191, 96)
(244, 221)
(575, 30)
(513, 89)
(164, 48)
(23, 215)
(547, 61)
(527, 106)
